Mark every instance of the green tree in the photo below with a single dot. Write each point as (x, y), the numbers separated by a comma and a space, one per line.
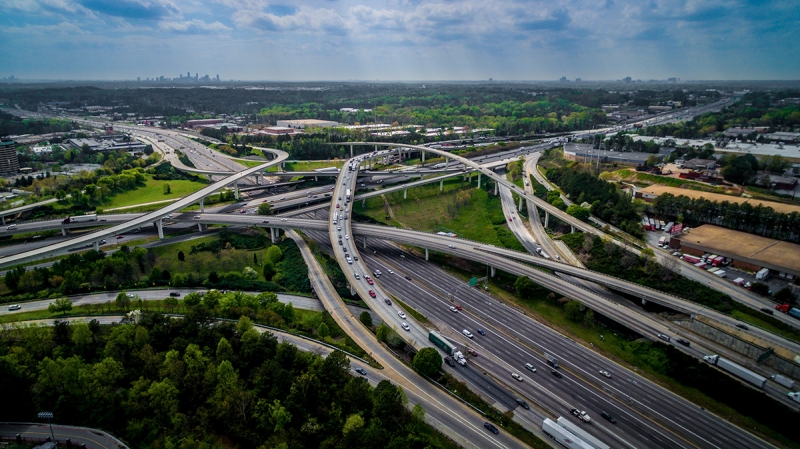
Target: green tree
(166, 188)
(588, 317)
(192, 299)
(365, 318)
(81, 334)
(427, 361)
(249, 273)
(224, 350)
(353, 423)
(573, 310)
(274, 254)
(181, 256)
(323, 330)
(171, 303)
(382, 332)
(279, 416)
(268, 270)
(264, 209)
(123, 301)
(524, 287)
(581, 213)
(63, 305)
(785, 295)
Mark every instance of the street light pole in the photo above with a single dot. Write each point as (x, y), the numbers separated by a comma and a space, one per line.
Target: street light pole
(48, 416)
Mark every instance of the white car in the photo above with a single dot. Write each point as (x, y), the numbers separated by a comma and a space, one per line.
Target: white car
(14, 307)
(390, 271)
(605, 373)
(338, 228)
(401, 314)
(467, 333)
(516, 376)
(453, 309)
(347, 237)
(405, 326)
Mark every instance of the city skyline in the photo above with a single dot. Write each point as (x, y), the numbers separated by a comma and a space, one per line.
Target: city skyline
(400, 40)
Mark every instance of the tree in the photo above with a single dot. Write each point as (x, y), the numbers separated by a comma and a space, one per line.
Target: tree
(81, 334)
(166, 188)
(192, 299)
(365, 318)
(269, 270)
(785, 295)
(323, 330)
(427, 361)
(123, 301)
(171, 303)
(573, 310)
(524, 287)
(760, 288)
(581, 213)
(249, 273)
(181, 256)
(588, 318)
(60, 305)
(353, 423)
(264, 209)
(274, 254)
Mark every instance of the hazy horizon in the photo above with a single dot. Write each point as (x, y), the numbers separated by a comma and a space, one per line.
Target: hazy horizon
(400, 40)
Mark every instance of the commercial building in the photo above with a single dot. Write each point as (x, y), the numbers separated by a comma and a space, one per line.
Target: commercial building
(9, 163)
(585, 153)
(700, 164)
(278, 130)
(781, 136)
(203, 122)
(107, 145)
(747, 251)
(307, 123)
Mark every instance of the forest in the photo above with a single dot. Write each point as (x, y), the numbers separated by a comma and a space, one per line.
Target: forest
(157, 382)
(13, 125)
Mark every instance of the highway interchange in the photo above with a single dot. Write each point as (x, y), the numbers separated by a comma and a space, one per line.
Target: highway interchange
(654, 418)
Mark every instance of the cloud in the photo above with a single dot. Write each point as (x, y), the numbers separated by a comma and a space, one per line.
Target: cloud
(133, 9)
(304, 20)
(195, 26)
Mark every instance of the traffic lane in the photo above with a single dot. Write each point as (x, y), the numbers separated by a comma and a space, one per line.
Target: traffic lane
(567, 352)
(77, 435)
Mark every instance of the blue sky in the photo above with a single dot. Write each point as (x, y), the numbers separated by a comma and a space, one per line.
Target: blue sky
(400, 39)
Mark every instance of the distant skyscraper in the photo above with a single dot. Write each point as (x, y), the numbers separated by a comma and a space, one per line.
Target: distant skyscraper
(217, 77)
(563, 79)
(627, 79)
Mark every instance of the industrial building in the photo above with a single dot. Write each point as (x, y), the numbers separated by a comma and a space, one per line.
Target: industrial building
(306, 123)
(203, 122)
(585, 153)
(9, 163)
(107, 145)
(747, 251)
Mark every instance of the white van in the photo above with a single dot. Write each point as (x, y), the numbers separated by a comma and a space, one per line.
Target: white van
(467, 333)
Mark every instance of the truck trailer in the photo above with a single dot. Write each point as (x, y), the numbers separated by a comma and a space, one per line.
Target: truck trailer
(347, 194)
(736, 369)
(762, 274)
(80, 218)
(582, 434)
(783, 380)
(439, 340)
(563, 436)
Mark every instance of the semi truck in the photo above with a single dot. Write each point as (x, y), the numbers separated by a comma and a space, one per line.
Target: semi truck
(439, 340)
(795, 396)
(80, 218)
(563, 436)
(736, 369)
(787, 309)
(582, 434)
(783, 380)
(347, 194)
(460, 359)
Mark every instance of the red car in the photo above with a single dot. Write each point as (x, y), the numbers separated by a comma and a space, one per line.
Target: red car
(337, 204)
(372, 293)
(458, 307)
(370, 282)
(119, 237)
(473, 352)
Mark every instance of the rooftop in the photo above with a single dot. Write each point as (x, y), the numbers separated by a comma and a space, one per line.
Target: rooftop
(660, 190)
(754, 247)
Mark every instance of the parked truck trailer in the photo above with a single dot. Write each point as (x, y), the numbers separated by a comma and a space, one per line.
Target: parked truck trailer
(736, 369)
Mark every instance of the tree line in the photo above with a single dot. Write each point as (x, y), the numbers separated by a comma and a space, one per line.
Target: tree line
(188, 383)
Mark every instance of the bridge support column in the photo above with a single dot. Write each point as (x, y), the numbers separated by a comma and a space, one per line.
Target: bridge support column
(316, 178)
(495, 187)
(364, 203)
(492, 271)
(364, 243)
(97, 246)
(352, 290)
(479, 180)
(351, 151)
(64, 232)
(426, 253)
(423, 157)
(572, 229)
(4, 219)
(160, 226)
(200, 227)
(519, 208)
(546, 219)
(202, 209)
(236, 190)
(446, 163)
(274, 234)
(405, 192)
(441, 185)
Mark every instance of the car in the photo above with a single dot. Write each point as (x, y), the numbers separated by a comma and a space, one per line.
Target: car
(355, 258)
(664, 337)
(472, 352)
(458, 307)
(265, 221)
(361, 371)
(340, 242)
(175, 294)
(337, 204)
(405, 326)
(401, 314)
(387, 301)
(491, 428)
(370, 282)
(283, 219)
(766, 310)
(608, 416)
(556, 373)
(344, 249)
(449, 361)
(265, 201)
(517, 377)
(338, 228)
(119, 237)
(523, 404)
(683, 342)
(347, 237)
(530, 367)
(196, 217)
(742, 326)
(480, 331)
(453, 309)
(605, 373)
(390, 271)
(357, 276)
(467, 333)
(14, 307)
(451, 246)
(372, 293)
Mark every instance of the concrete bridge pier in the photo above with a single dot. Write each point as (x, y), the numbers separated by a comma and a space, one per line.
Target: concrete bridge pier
(202, 209)
(64, 232)
(546, 219)
(423, 157)
(479, 180)
(571, 229)
(352, 290)
(160, 226)
(405, 192)
(495, 187)
(200, 227)
(351, 151)
(4, 219)
(316, 178)
(236, 190)
(97, 246)
(274, 233)
(364, 242)
(364, 203)
(492, 271)
(519, 208)
(441, 185)
(426, 254)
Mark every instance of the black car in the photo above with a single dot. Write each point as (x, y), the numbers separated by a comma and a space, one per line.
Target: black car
(408, 277)
(608, 416)
(683, 342)
(742, 326)
(523, 404)
(480, 331)
(361, 371)
(388, 303)
(491, 427)
(556, 373)
(449, 361)
(174, 294)
(766, 310)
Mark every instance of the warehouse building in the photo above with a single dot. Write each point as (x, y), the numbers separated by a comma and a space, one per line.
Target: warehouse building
(306, 123)
(747, 251)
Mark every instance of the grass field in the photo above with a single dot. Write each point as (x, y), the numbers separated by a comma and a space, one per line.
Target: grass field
(153, 191)
(204, 262)
(312, 165)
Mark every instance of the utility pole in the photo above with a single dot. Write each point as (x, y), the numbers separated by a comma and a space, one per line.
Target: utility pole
(48, 416)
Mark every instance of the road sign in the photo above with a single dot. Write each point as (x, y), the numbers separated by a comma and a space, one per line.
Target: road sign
(767, 354)
(473, 281)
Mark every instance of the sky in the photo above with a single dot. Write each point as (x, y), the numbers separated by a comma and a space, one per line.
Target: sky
(400, 40)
